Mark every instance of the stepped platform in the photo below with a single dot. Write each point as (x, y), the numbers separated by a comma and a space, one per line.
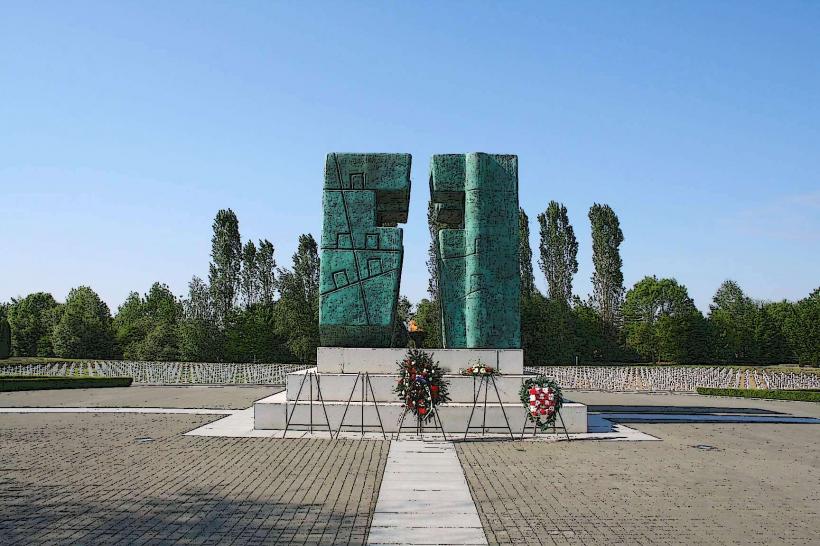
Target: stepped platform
(271, 412)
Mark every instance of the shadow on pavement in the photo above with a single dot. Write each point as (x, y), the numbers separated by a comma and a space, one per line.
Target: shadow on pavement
(188, 516)
(694, 414)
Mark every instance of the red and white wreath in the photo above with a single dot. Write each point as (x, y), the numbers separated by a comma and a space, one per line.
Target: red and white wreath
(542, 401)
(542, 398)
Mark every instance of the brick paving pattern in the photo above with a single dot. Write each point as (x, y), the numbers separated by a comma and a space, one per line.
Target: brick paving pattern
(760, 486)
(88, 479)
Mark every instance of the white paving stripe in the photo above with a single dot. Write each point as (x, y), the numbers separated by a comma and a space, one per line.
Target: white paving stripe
(187, 411)
(424, 498)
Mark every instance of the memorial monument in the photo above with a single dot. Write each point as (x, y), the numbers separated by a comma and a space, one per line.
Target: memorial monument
(364, 197)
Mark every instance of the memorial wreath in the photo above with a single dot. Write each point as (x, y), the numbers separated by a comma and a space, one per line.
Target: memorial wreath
(542, 398)
(421, 385)
(479, 370)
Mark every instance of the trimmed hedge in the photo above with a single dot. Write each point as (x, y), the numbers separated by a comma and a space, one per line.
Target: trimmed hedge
(807, 395)
(40, 382)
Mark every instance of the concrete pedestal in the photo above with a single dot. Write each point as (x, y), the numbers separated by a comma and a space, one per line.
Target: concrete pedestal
(353, 360)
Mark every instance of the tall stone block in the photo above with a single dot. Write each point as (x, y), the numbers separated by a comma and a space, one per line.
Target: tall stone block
(476, 199)
(364, 197)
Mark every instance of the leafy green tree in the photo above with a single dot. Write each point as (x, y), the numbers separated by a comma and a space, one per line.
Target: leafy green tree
(404, 312)
(201, 340)
(732, 317)
(249, 275)
(547, 331)
(428, 319)
(771, 345)
(592, 342)
(661, 321)
(802, 328)
(682, 337)
(226, 263)
(266, 269)
(559, 251)
(130, 326)
(608, 279)
(252, 336)
(148, 328)
(298, 305)
(432, 253)
(525, 254)
(32, 321)
(85, 328)
(5, 338)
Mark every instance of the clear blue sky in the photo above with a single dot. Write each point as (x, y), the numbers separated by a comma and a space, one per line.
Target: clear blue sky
(125, 126)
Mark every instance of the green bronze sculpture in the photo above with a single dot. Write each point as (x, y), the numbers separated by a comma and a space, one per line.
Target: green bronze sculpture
(476, 200)
(365, 196)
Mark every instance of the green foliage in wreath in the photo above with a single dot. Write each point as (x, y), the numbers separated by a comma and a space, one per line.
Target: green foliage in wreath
(421, 385)
(542, 413)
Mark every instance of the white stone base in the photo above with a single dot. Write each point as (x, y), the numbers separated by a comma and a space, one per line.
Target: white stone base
(270, 413)
(336, 374)
(337, 387)
(354, 359)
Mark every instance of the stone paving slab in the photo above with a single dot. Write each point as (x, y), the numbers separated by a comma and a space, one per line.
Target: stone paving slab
(90, 478)
(702, 484)
(427, 535)
(437, 487)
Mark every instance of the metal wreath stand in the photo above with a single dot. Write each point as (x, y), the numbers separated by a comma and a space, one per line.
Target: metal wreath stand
(289, 421)
(554, 427)
(366, 384)
(484, 381)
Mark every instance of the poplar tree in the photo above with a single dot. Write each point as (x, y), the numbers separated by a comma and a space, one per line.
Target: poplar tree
(249, 275)
(298, 306)
(432, 253)
(559, 251)
(200, 337)
(226, 263)
(525, 255)
(608, 278)
(266, 269)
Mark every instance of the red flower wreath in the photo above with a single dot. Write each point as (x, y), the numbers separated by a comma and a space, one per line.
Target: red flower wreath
(421, 385)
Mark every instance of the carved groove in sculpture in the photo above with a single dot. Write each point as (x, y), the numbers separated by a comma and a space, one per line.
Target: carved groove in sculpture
(476, 199)
(364, 197)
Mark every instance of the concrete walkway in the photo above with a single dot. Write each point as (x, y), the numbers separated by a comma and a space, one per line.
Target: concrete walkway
(170, 411)
(424, 498)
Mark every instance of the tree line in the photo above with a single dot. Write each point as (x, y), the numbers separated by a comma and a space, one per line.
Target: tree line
(654, 321)
(250, 310)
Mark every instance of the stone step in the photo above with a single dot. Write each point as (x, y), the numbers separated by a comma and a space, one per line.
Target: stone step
(270, 413)
(383, 360)
(337, 387)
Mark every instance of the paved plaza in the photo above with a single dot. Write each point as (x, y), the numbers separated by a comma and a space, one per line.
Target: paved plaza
(130, 478)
